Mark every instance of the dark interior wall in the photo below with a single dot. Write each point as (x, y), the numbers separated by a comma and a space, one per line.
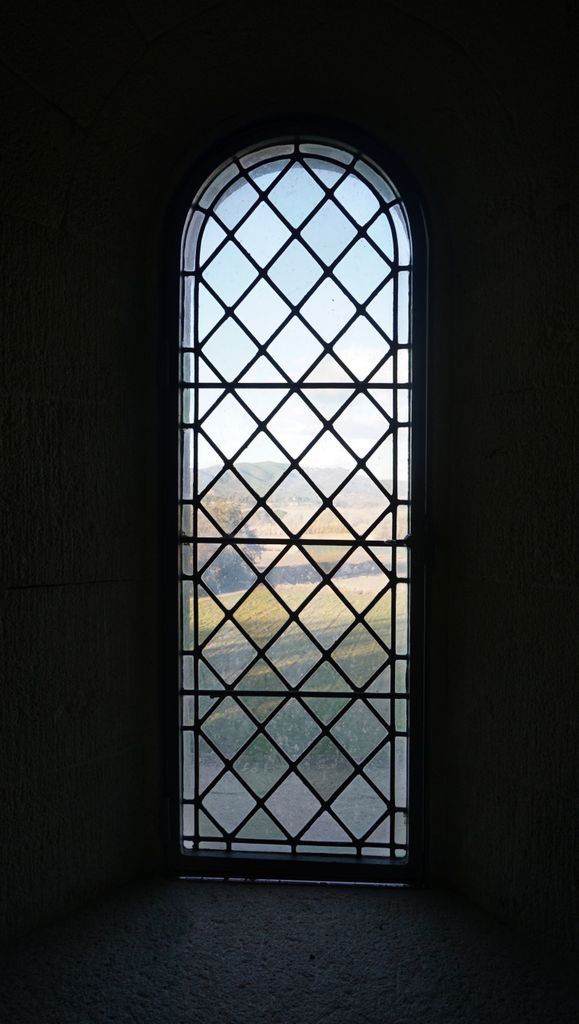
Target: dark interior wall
(105, 107)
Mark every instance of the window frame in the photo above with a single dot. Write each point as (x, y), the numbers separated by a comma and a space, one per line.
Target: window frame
(271, 865)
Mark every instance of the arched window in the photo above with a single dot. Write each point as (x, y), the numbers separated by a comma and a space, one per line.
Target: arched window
(300, 501)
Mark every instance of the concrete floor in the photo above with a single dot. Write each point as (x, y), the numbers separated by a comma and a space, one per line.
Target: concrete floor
(231, 953)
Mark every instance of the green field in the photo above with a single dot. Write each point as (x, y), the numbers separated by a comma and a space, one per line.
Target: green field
(295, 726)
(326, 618)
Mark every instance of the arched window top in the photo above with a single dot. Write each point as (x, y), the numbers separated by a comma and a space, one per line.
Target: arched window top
(296, 502)
(298, 218)
(327, 196)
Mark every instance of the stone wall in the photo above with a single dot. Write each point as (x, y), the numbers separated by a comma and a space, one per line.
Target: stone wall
(105, 107)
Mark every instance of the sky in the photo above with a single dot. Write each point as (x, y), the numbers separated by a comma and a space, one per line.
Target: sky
(361, 348)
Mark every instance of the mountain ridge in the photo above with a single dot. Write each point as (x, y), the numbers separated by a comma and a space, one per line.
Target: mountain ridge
(261, 476)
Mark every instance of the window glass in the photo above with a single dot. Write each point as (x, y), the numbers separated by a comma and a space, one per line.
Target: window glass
(294, 442)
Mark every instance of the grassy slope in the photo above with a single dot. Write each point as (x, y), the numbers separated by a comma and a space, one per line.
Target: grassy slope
(261, 616)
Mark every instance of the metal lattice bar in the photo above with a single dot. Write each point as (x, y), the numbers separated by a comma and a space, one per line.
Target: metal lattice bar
(309, 776)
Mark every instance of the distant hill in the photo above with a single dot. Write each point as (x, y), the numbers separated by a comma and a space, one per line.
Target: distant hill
(261, 476)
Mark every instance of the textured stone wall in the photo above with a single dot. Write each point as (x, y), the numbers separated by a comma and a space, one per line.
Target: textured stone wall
(104, 108)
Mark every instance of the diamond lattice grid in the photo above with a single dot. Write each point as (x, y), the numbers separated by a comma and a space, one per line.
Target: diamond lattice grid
(286, 612)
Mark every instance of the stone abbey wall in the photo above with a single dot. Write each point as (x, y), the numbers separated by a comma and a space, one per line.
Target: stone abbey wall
(105, 106)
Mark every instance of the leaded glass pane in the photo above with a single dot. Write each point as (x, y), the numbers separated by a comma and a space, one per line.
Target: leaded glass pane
(294, 445)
